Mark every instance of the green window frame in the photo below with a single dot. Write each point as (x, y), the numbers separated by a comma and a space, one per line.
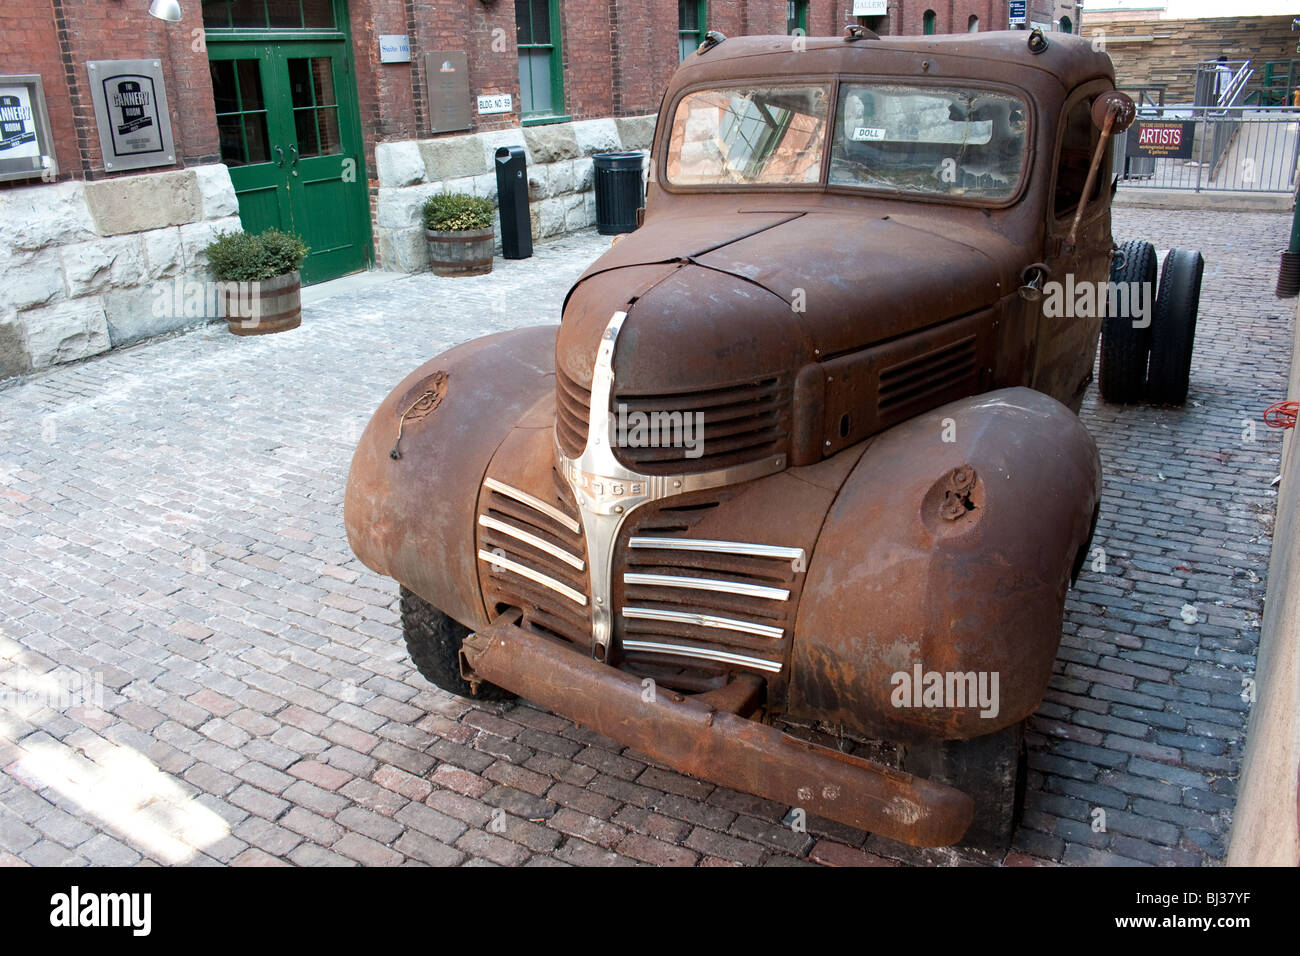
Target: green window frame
(928, 22)
(692, 24)
(796, 17)
(541, 61)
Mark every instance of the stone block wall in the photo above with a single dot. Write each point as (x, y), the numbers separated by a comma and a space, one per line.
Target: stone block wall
(1154, 52)
(89, 266)
(560, 178)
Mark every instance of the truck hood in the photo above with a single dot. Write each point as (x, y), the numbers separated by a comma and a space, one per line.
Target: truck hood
(848, 280)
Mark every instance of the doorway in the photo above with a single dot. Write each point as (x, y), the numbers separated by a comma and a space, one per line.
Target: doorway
(289, 127)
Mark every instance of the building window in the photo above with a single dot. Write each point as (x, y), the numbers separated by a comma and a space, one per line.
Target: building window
(1066, 26)
(691, 25)
(927, 22)
(973, 24)
(541, 71)
(273, 15)
(796, 17)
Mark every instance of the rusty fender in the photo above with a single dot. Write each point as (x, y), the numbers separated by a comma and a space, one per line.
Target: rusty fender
(411, 517)
(949, 549)
(702, 736)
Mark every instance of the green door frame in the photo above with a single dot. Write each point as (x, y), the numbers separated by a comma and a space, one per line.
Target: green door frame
(273, 48)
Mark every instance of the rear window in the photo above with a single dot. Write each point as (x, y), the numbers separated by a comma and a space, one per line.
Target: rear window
(767, 135)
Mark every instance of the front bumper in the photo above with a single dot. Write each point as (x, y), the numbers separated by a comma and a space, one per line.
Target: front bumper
(706, 736)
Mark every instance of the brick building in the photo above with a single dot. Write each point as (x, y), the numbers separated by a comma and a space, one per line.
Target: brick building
(332, 118)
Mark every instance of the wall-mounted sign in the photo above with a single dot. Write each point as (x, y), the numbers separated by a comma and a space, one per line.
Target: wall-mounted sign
(26, 145)
(135, 129)
(394, 48)
(1018, 14)
(495, 103)
(446, 76)
(870, 8)
(1167, 139)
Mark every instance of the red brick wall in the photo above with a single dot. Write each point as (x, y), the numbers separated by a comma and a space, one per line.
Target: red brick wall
(618, 56)
(56, 38)
(951, 16)
(30, 44)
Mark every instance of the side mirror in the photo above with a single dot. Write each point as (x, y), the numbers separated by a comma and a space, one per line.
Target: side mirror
(1112, 112)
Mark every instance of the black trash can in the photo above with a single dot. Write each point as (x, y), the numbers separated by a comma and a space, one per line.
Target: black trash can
(512, 197)
(619, 191)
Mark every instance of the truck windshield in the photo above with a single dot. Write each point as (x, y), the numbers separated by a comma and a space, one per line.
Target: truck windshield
(924, 140)
(749, 134)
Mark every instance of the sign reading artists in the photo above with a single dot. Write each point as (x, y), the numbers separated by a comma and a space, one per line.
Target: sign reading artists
(26, 147)
(130, 102)
(1166, 139)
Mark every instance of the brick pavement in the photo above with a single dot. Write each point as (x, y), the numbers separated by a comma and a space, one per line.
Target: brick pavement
(172, 531)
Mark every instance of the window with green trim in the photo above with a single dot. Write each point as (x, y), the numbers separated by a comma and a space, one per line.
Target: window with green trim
(241, 114)
(541, 69)
(269, 14)
(928, 22)
(796, 17)
(692, 17)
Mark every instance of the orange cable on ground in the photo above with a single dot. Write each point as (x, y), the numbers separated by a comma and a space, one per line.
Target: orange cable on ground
(1281, 414)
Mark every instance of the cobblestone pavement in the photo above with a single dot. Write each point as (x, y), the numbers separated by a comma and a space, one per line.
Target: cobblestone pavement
(172, 536)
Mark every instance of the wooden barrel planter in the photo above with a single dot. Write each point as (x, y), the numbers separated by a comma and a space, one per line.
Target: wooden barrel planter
(260, 308)
(465, 253)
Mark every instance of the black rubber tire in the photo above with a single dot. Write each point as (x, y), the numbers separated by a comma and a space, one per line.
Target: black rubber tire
(433, 640)
(991, 770)
(1173, 330)
(1124, 349)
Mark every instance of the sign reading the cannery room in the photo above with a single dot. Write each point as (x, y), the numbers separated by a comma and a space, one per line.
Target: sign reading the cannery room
(26, 146)
(135, 129)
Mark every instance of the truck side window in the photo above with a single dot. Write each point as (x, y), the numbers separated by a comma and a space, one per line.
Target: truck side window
(1077, 147)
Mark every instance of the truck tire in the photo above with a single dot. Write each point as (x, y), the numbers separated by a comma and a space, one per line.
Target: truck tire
(1174, 327)
(991, 770)
(1124, 349)
(433, 640)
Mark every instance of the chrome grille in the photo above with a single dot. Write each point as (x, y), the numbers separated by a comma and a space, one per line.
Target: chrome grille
(572, 409)
(741, 423)
(693, 599)
(534, 558)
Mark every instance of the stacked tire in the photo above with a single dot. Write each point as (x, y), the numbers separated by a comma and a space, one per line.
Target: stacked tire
(1149, 358)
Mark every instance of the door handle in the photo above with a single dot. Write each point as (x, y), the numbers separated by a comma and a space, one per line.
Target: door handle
(280, 161)
(294, 150)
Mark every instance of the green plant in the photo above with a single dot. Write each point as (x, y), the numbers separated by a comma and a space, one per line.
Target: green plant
(457, 212)
(251, 257)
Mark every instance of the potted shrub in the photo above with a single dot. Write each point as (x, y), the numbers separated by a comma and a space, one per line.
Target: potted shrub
(460, 234)
(259, 289)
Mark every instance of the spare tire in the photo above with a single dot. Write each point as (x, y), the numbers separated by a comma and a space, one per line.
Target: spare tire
(1174, 328)
(1124, 346)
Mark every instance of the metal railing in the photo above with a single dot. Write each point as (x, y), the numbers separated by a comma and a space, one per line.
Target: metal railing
(1240, 149)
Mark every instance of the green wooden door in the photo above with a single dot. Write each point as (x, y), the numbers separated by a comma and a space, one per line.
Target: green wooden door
(290, 134)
